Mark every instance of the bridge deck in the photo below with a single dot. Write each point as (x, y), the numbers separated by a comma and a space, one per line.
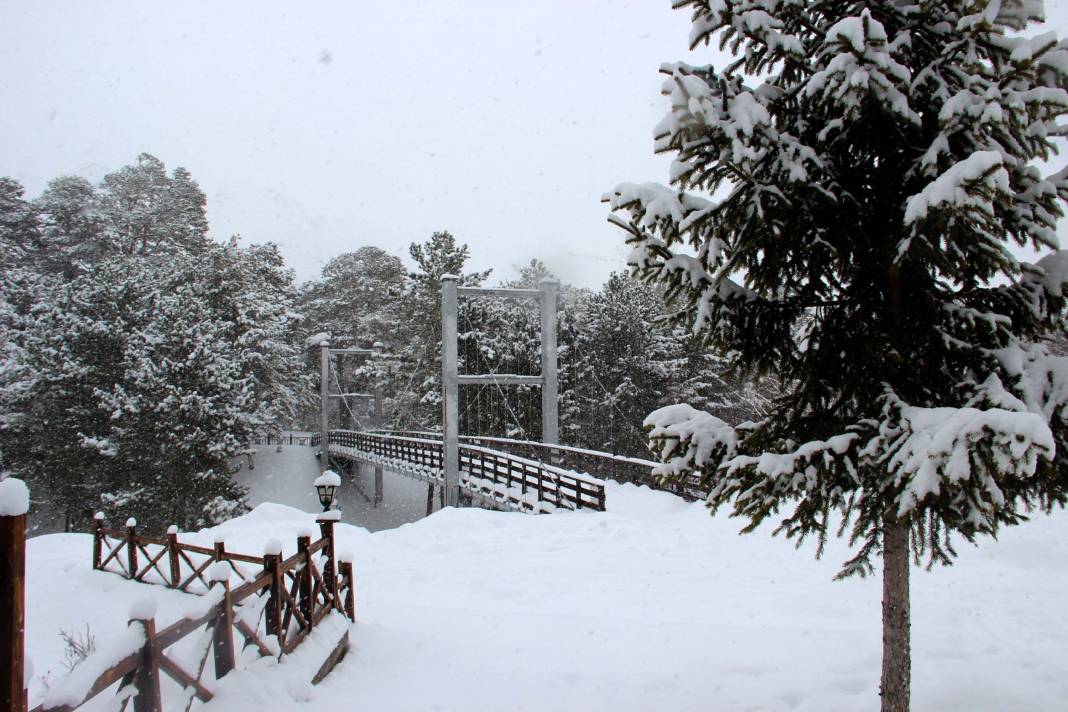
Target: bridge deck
(487, 475)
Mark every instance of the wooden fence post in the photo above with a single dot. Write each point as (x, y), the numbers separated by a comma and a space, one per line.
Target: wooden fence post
(345, 570)
(98, 539)
(173, 557)
(131, 546)
(272, 553)
(326, 527)
(304, 590)
(146, 678)
(222, 634)
(14, 503)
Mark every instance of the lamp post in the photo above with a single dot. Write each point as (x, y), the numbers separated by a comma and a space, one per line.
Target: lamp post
(326, 485)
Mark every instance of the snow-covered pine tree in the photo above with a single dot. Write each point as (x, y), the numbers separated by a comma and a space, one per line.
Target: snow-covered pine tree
(357, 299)
(148, 212)
(417, 402)
(19, 229)
(73, 232)
(877, 161)
(630, 361)
(627, 361)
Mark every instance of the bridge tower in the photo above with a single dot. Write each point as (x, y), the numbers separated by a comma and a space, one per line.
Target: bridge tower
(325, 395)
(547, 295)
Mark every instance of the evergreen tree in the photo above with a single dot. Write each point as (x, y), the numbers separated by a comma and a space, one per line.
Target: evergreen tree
(875, 175)
(19, 229)
(630, 361)
(72, 228)
(417, 400)
(148, 212)
(357, 299)
(135, 386)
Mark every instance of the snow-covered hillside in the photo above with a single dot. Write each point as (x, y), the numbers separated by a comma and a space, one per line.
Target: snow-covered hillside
(649, 606)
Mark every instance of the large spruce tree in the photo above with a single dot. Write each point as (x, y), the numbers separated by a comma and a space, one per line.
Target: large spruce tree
(846, 194)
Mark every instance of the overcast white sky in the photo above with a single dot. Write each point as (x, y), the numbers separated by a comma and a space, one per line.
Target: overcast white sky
(324, 126)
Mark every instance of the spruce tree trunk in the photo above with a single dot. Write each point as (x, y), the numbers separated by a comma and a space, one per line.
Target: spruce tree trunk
(897, 654)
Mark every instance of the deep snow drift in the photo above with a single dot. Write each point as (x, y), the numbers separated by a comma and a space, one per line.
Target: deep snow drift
(650, 606)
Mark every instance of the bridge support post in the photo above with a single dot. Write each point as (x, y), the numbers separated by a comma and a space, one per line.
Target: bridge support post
(451, 390)
(379, 422)
(550, 398)
(324, 418)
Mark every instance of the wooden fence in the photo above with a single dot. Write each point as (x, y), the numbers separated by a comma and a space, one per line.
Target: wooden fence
(277, 605)
(518, 483)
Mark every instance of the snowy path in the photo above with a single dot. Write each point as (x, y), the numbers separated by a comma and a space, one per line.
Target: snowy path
(286, 477)
(649, 606)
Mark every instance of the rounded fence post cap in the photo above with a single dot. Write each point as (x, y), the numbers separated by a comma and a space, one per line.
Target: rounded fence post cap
(14, 497)
(219, 572)
(143, 609)
(99, 516)
(131, 522)
(220, 537)
(272, 547)
(172, 529)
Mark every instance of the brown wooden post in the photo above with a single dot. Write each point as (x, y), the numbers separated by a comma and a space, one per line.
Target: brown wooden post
(220, 550)
(98, 539)
(273, 611)
(304, 590)
(172, 555)
(14, 501)
(326, 527)
(146, 679)
(131, 546)
(345, 569)
(222, 636)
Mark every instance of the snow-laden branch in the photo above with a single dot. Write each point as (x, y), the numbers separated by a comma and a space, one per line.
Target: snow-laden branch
(934, 452)
(689, 439)
(969, 184)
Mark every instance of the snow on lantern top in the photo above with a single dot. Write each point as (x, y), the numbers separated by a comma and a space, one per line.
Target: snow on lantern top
(328, 479)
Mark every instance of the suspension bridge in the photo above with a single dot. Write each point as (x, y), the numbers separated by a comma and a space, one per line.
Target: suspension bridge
(502, 473)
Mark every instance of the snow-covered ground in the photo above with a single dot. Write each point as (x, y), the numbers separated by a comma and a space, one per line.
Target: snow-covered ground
(286, 475)
(649, 606)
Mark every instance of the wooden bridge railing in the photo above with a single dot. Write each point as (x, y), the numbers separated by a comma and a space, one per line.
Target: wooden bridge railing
(517, 482)
(601, 465)
(598, 464)
(286, 439)
(274, 609)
